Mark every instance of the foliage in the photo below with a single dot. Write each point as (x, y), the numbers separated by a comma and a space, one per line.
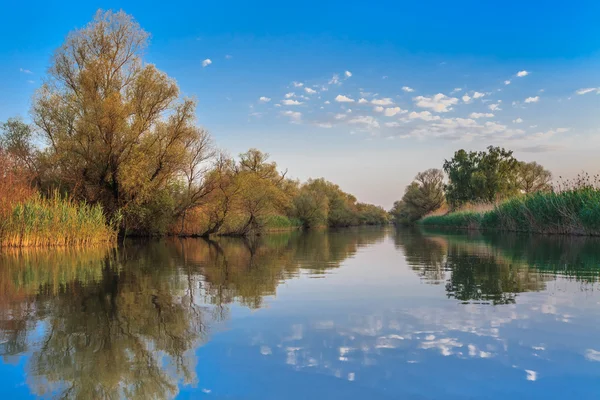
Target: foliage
(481, 176)
(573, 211)
(532, 177)
(424, 195)
(14, 184)
(116, 128)
(322, 203)
(117, 134)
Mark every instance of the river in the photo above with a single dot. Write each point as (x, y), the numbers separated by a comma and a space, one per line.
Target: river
(369, 313)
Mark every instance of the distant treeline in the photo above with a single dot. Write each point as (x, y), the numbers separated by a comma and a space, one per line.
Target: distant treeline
(117, 135)
(493, 190)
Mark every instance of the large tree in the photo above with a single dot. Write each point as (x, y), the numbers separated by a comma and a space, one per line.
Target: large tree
(117, 129)
(483, 176)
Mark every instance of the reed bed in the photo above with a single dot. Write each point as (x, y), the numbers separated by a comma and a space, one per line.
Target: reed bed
(574, 211)
(55, 221)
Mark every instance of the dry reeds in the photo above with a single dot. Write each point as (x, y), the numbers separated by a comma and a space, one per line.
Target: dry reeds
(54, 221)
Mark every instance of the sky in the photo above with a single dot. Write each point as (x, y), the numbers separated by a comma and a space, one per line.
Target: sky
(364, 94)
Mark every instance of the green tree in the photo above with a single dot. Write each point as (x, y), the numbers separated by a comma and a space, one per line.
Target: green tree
(532, 177)
(424, 195)
(480, 176)
(16, 138)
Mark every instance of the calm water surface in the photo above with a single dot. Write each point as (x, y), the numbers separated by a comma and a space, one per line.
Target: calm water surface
(354, 314)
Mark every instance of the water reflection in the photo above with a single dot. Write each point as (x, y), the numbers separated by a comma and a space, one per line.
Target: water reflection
(124, 323)
(188, 317)
(496, 268)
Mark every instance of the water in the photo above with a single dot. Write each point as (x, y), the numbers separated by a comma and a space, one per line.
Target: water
(354, 314)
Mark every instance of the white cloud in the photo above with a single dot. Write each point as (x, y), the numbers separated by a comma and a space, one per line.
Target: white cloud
(477, 95)
(481, 115)
(465, 129)
(30, 81)
(382, 102)
(335, 80)
(393, 124)
(228, 56)
(289, 95)
(297, 84)
(518, 121)
(532, 99)
(592, 355)
(340, 116)
(362, 100)
(391, 111)
(368, 121)
(348, 74)
(264, 99)
(438, 103)
(507, 82)
(295, 116)
(25, 71)
(378, 109)
(327, 102)
(548, 134)
(310, 91)
(408, 89)
(588, 90)
(466, 98)
(531, 375)
(456, 89)
(291, 102)
(325, 125)
(495, 107)
(206, 62)
(343, 99)
(523, 73)
(424, 115)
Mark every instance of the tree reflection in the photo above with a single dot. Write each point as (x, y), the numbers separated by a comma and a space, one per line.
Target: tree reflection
(473, 269)
(125, 323)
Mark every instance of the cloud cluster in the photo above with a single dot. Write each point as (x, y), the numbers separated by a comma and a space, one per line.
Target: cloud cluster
(438, 103)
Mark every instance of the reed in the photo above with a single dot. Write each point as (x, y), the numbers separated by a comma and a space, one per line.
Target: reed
(572, 211)
(55, 221)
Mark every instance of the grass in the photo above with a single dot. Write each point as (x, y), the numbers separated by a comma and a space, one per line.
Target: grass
(574, 211)
(54, 221)
(279, 222)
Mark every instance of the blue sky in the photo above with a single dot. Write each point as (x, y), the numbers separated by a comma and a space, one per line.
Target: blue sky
(415, 80)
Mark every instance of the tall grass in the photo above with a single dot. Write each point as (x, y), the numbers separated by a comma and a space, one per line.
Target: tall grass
(574, 211)
(54, 221)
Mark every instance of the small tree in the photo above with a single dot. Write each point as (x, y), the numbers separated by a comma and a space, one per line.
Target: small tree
(424, 195)
(532, 177)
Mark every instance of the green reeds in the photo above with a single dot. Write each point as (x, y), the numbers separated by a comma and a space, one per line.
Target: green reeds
(55, 221)
(575, 212)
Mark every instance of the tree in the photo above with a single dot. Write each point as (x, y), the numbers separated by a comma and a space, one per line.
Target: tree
(16, 138)
(480, 176)
(532, 177)
(118, 131)
(424, 195)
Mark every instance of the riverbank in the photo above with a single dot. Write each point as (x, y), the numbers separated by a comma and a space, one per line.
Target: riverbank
(571, 212)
